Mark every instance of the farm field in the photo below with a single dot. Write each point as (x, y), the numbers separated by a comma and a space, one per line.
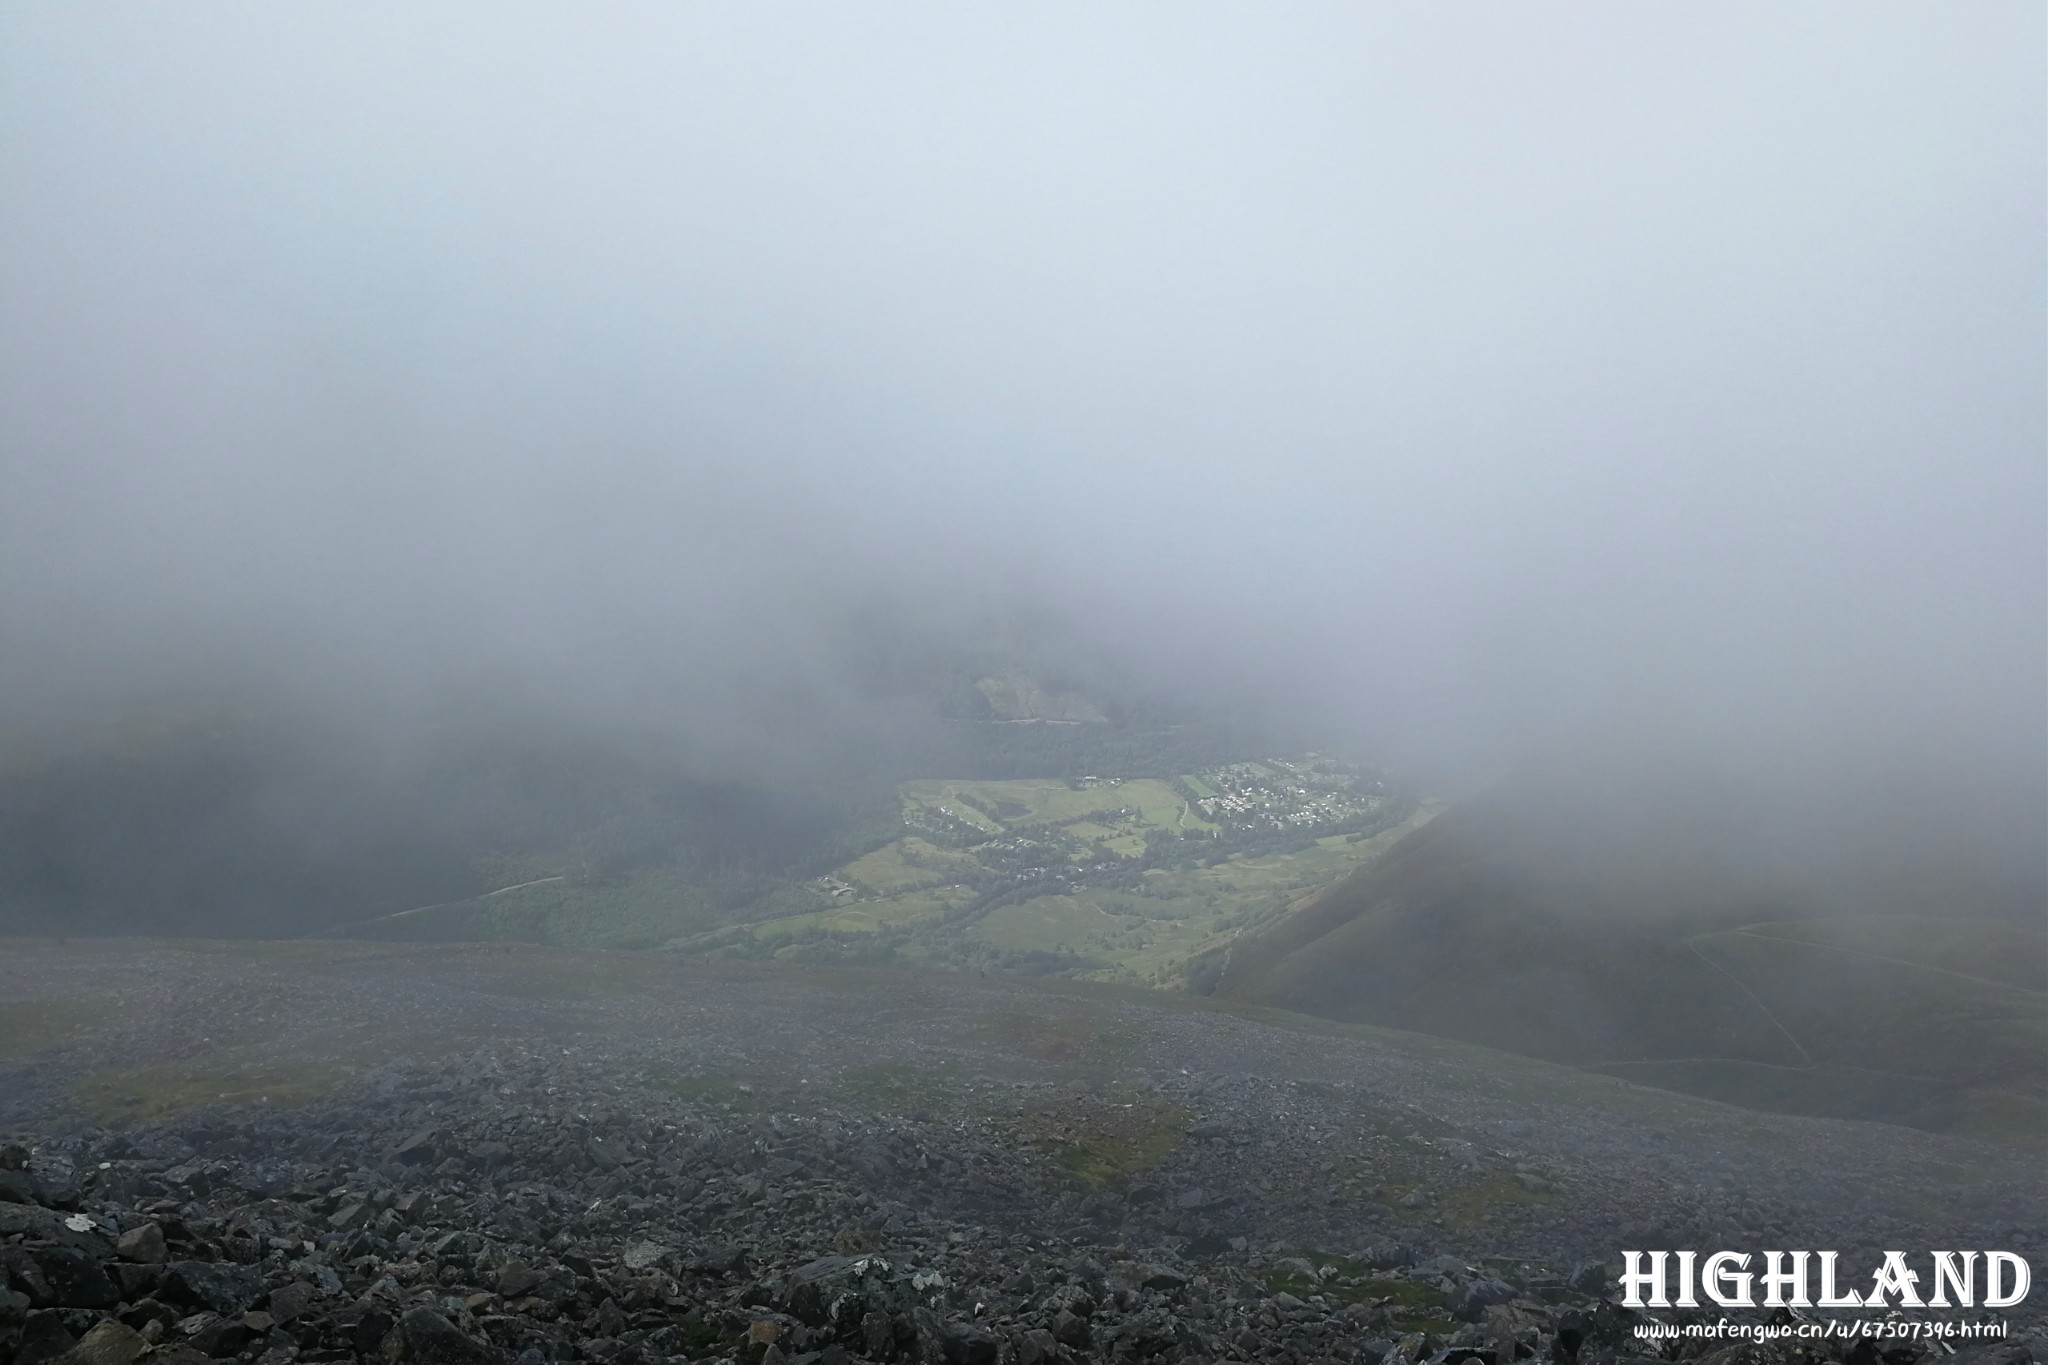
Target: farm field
(1105, 812)
(1099, 878)
(1091, 878)
(1148, 935)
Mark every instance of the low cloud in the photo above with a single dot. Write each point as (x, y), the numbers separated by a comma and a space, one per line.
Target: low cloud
(1583, 383)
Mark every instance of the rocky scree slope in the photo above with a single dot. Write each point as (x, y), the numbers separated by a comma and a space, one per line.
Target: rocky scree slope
(1232, 1189)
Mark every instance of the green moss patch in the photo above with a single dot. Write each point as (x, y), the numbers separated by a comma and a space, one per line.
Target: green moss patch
(1108, 1146)
(1411, 1307)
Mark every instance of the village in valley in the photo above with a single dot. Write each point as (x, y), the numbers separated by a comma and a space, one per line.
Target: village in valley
(1094, 876)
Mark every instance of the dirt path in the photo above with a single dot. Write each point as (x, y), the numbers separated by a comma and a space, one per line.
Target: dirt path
(1754, 999)
(439, 905)
(1880, 957)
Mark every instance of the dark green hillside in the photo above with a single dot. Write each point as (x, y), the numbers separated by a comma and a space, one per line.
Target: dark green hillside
(1684, 960)
(182, 820)
(511, 817)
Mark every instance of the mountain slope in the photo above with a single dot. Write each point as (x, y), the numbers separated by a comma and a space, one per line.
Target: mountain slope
(1676, 948)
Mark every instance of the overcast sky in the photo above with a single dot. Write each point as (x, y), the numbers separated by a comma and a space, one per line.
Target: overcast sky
(1483, 374)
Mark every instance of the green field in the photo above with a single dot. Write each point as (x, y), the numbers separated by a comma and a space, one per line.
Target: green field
(864, 917)
(1125, 809)
(1112, 934)
(1050, 923)
(1093, 877)
(905, 865)
(1148, 935)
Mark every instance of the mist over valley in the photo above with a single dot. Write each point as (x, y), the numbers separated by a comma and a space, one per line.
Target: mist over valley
(917, 684)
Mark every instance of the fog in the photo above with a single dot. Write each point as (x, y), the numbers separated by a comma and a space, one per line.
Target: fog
(1484, 387)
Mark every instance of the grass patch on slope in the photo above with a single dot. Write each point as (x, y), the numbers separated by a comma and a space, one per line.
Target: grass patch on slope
(643, 909)
(34, 1025)
(150, 1094)
(1856, 1009)
(2010, 952)
(1058, 1038)
(1472, 1206)
(911, 1091)
(1106, 1147)
(1850, 1092)
(1339, 1279)
(589, 979)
